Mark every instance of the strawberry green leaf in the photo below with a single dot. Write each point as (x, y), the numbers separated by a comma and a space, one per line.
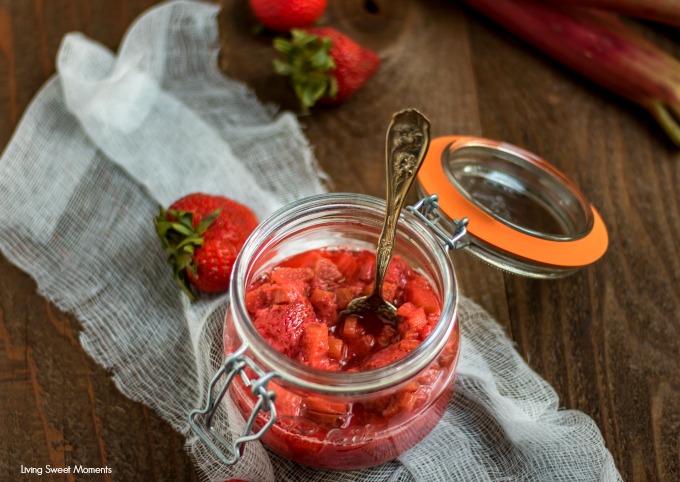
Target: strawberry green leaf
(308, 63)
(179, 239)
(207, 221)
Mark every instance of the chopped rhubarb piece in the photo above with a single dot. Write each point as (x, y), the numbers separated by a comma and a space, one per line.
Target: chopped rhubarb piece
(409, 345)
(419, 292)
(417, 321)
(351, 328)
(367, 270)
(320, 404)
(344, 296)
(329, 420)
(287, 403)
(413, 318)
(384, 357)
(366, 342)
(408, 400)
(314, 344)
(327, 413)
(281, 295)
(335, 348)
(411, 386)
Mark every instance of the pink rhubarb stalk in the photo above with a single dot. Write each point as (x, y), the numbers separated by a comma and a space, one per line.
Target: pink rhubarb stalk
(662, 11)
(601, 47)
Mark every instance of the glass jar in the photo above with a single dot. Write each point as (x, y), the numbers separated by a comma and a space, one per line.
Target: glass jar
(525, 217)
(341, 420)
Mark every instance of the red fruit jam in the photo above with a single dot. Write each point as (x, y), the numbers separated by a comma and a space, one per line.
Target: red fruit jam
(295, 308)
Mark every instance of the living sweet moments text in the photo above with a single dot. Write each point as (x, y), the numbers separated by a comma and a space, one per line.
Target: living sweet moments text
(73, 469)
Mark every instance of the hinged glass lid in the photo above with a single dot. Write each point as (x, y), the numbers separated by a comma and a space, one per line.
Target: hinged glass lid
(524, 215)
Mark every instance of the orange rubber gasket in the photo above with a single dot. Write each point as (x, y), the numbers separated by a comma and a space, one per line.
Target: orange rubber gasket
(570, 253)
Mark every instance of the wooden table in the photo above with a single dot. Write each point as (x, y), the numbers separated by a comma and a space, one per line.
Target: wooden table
(607, 338)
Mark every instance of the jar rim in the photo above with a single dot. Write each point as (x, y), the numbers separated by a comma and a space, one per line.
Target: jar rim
(342, 383)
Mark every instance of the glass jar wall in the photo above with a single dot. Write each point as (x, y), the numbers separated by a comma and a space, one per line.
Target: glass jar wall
(345, 420)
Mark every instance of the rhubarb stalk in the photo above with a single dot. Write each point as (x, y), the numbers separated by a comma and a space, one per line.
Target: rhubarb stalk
(601, 47)
(662, 11)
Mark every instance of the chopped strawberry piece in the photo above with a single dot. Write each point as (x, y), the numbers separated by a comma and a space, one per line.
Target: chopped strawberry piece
(386, 336)
(283, 275)
(325, 306)
(326, 270)
(389, 292)
(269, 295)
(256, 300)
(398, 272)
(425, 331)
(306, 259)
(282, 325)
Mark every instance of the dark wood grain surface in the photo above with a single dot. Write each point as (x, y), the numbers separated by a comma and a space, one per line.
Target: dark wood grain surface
(606, 338)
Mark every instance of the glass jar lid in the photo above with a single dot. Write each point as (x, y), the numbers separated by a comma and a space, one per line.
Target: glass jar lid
(524, 215)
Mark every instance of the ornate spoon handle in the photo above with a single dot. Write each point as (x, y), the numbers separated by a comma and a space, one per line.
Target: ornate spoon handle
(406, 143)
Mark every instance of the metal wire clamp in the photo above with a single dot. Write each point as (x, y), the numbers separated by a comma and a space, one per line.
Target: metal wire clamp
(230, 452)
(427, 210)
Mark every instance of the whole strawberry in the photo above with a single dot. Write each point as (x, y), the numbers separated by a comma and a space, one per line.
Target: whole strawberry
(202, 235)
(284, 15)
(324, 65)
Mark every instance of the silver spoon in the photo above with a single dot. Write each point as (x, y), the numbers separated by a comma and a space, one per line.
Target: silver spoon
(406, 143)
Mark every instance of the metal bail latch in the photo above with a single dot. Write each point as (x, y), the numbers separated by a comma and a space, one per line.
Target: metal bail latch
(427, 210)
(230, 452)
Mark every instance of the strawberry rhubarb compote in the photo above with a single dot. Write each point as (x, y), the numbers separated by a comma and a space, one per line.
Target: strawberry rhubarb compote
(295, 307)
